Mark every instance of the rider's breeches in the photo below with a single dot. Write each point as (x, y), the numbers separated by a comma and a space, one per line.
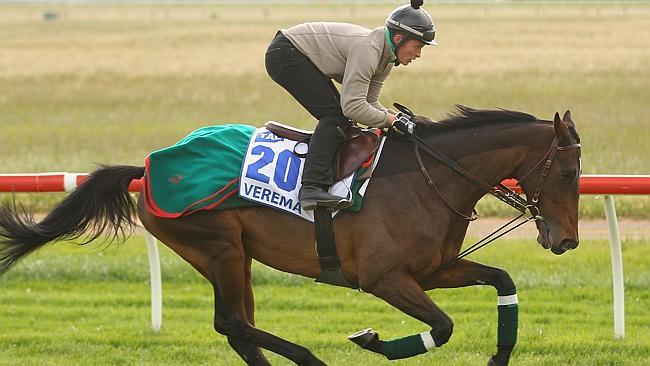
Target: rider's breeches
(323, 147)
(318, 95)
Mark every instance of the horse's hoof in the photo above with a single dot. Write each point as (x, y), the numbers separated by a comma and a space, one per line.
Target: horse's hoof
(364, 337)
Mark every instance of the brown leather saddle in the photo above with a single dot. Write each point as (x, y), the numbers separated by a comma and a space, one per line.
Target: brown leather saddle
(358, 147)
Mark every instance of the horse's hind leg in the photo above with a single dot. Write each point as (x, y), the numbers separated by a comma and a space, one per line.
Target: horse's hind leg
(211, 242)
(223, 318)
(251, 354)
(231, 319)
(193, 240)
(247, 351)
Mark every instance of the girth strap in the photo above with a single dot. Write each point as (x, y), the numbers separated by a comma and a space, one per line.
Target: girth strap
(326, 248)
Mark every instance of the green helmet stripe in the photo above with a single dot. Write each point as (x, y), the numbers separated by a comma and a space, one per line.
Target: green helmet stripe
(389, 40)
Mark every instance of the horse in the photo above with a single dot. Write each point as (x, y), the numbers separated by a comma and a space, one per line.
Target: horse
(403, 242)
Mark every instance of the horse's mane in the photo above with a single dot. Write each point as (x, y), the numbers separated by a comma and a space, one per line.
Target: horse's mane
(465, 117)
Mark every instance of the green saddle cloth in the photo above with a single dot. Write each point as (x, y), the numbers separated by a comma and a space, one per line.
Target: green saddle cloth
(199, 172)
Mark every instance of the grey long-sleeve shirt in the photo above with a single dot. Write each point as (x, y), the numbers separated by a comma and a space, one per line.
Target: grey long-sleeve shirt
(358, 58)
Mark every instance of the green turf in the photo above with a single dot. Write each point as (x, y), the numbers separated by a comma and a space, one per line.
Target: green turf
(70, 305)
(110, 84)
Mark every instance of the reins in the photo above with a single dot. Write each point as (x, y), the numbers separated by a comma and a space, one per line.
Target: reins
(500, 191)
(483, 242)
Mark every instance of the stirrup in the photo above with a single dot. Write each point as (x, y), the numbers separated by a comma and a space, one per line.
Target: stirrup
(312, 204)
(312, 197)
(341, 205)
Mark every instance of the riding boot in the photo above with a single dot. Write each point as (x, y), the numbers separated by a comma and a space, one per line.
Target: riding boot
(318, 174)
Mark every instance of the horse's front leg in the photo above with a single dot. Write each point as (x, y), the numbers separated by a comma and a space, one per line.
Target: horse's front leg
(403, 292)
(467, 273)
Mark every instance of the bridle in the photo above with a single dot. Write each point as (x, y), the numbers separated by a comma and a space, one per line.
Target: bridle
(550, 156)
(500, 191)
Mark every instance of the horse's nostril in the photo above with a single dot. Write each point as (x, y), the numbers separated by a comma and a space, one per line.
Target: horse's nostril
(568, 244)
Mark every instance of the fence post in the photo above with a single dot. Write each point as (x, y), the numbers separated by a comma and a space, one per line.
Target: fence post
(617, 267)
(156, 282)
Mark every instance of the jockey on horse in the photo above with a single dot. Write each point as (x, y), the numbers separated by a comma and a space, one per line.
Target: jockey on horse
(305, 58)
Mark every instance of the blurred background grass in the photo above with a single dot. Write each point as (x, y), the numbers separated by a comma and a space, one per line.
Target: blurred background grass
(108, 85)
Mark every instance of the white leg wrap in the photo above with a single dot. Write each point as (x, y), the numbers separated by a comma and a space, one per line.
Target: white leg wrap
(427, 340)
(508, 300)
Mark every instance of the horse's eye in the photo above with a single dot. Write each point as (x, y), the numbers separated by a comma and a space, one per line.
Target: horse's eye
(568, 174)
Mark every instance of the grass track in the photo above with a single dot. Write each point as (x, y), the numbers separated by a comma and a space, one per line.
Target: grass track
(70, 305)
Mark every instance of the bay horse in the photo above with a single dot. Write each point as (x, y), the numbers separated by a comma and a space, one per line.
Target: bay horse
(401, 244)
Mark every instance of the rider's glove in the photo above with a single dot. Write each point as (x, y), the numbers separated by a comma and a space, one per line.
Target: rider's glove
(403, 123)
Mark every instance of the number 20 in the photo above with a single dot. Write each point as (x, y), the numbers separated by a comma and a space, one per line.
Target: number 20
(286, 172)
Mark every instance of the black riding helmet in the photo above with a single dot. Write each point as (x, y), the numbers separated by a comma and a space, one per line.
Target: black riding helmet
(413, 21)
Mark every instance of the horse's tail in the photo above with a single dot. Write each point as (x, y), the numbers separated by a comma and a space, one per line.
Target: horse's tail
(101, 204)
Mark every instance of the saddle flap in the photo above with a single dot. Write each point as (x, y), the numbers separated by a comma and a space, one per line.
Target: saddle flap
(355, 152)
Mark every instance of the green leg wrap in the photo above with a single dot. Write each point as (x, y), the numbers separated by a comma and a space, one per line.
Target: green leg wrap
(508, 318)
(405, 347)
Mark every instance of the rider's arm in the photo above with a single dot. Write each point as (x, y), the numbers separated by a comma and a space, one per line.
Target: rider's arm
(361, 85)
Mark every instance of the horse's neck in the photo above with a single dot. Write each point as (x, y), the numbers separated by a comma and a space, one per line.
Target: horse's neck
(492, 153)
(504, 151)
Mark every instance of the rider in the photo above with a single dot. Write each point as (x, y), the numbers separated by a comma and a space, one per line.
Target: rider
(303, 59)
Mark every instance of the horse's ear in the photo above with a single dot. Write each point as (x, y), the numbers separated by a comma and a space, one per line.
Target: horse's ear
(556, 118)
(567, 119)
(561, 131)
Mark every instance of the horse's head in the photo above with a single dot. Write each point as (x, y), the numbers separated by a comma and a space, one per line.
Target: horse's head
(552, 188)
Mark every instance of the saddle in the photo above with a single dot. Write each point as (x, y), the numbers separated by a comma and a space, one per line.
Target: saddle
(357, 149)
